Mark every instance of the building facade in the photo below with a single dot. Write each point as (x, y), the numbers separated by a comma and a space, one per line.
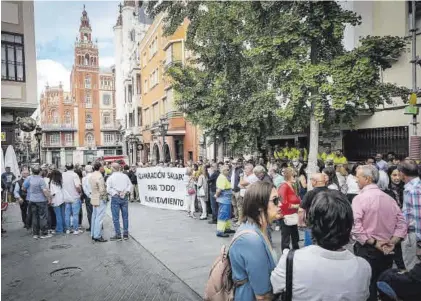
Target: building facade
(18, 67)
(388, 129)
(131, 26)
(156, 97)
(80, 126)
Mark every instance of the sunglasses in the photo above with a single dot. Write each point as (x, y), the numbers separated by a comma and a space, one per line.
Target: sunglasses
(275, 200)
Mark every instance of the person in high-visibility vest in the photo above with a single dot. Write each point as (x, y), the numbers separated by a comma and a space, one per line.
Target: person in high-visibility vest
(277, 153)
(328, 154)
(288, 153)
(340, 158)
(300, 153)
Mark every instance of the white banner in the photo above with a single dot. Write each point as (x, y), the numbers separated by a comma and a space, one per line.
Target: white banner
(162, 187)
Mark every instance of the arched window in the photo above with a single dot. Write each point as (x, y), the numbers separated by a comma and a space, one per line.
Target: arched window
(85, 37)
(88, 99)
(87, 82)
(67, 118)
(86, 59)
(89, 139)
(88, 118)
(54, 117)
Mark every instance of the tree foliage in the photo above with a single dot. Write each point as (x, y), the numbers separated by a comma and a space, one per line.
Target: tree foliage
(262, 67)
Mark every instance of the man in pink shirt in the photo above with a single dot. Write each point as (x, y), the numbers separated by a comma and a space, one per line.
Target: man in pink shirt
(378, 225)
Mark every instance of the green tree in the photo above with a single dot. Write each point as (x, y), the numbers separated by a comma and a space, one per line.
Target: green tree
(287, 58)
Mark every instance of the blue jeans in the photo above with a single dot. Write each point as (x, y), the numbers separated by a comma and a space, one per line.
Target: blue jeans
(117, 204)
(72, 209)
(307, 237)
(214, 205)
(60, 218)
(98, 213)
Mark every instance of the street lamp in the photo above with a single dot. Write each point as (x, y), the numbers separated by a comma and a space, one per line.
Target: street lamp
(38, 136)
(132, 141)
(163, 128)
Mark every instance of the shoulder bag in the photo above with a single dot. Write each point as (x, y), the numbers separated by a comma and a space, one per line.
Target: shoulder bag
(287, 294)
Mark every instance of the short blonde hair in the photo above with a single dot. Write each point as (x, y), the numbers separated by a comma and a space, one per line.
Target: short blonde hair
(288, 173)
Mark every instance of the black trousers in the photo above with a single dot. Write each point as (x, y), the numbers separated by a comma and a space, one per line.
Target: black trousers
(89, 210)
(378, 262)
(405, 287)
(289, 233)
(39, 218)
(52, 221)
(397, 258)
(24, 211)
(29, 216)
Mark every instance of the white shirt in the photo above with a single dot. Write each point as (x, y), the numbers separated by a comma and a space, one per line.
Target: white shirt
(118, 183)
(70, 181)
(57, 193)
(233, 177)
(333, 186)
(250, 179)
(352, 184)
(323, 275)
(86, 185)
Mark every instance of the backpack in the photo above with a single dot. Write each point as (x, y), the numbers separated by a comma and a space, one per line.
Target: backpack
(220, 285)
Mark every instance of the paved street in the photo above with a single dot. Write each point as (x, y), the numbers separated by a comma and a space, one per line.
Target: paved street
(109, 271)
(186, 246)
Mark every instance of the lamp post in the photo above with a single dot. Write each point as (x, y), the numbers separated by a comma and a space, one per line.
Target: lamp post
(132, 141)
(38, 136)
(163, 127)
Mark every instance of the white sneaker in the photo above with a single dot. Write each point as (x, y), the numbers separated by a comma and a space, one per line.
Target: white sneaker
(67, 231)
(45, 236)
(35, 236)
(277, 228)
(78, 232)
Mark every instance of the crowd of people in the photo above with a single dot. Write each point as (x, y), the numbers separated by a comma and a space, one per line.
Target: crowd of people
(375, 205)
(51, 200)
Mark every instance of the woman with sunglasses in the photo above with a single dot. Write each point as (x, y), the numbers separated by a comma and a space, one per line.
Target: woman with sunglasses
(251, 255)
(289, 209)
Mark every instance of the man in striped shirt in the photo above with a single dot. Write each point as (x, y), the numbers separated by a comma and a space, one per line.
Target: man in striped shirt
(412, 212)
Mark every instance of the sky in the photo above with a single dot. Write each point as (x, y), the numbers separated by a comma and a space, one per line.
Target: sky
(56, 27)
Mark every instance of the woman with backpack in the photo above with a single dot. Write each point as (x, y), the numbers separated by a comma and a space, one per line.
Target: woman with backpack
(251, 254)
(56, 190)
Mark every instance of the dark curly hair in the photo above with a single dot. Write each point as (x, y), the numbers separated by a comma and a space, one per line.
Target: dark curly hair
(256, 200)
(331, 219)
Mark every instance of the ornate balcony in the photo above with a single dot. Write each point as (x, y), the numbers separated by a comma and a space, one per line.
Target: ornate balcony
(65, 127)
(111, 127)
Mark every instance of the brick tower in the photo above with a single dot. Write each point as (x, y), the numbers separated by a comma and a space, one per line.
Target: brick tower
(85, 90)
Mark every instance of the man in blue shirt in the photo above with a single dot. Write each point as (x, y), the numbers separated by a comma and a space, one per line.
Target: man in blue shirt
(38, 195)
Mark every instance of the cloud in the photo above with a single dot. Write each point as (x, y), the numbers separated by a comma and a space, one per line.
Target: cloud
(106, 61)
(52, 72)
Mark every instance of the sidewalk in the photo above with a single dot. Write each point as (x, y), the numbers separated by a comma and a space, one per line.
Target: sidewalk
(186, 246)
(96, 271)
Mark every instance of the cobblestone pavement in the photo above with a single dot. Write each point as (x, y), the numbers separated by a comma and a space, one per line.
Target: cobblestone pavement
(124, 270)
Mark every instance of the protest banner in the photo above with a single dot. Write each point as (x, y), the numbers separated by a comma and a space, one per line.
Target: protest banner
(162, 187)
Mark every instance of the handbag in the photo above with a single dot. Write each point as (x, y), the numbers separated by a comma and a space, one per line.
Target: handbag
(291, 219)
(191, 191)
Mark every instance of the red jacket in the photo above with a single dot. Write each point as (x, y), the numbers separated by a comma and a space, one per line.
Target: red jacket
(288, 198)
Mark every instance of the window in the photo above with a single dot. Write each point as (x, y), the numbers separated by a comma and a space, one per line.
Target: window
(88, 99)
(144, 60)
(86, 61)
(106, 99)
(145, 88)
(68, 138)
(54, 139)
(54, 117)
(139, 116)
(147, 120)
(109, 152)
(107, 118)
(129, 90)
(89, 139)
(88, 118)
(138, 84)
(12, 57)
(87, 82)
(108, 138)
(168, 55)
(132, 35)
(153, 47)
(67, 118)
(155, 112)
(164, 106)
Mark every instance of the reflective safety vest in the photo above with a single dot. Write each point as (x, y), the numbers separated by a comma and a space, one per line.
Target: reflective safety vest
(340, 160)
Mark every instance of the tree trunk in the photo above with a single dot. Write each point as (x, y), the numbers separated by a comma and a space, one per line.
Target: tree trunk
(313, 149)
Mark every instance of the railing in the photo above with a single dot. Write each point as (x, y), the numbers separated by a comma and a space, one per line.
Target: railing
(58, 127)
(171, 63)
(89, 126)
(110, 127)
(174, 114)
(69, 143)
